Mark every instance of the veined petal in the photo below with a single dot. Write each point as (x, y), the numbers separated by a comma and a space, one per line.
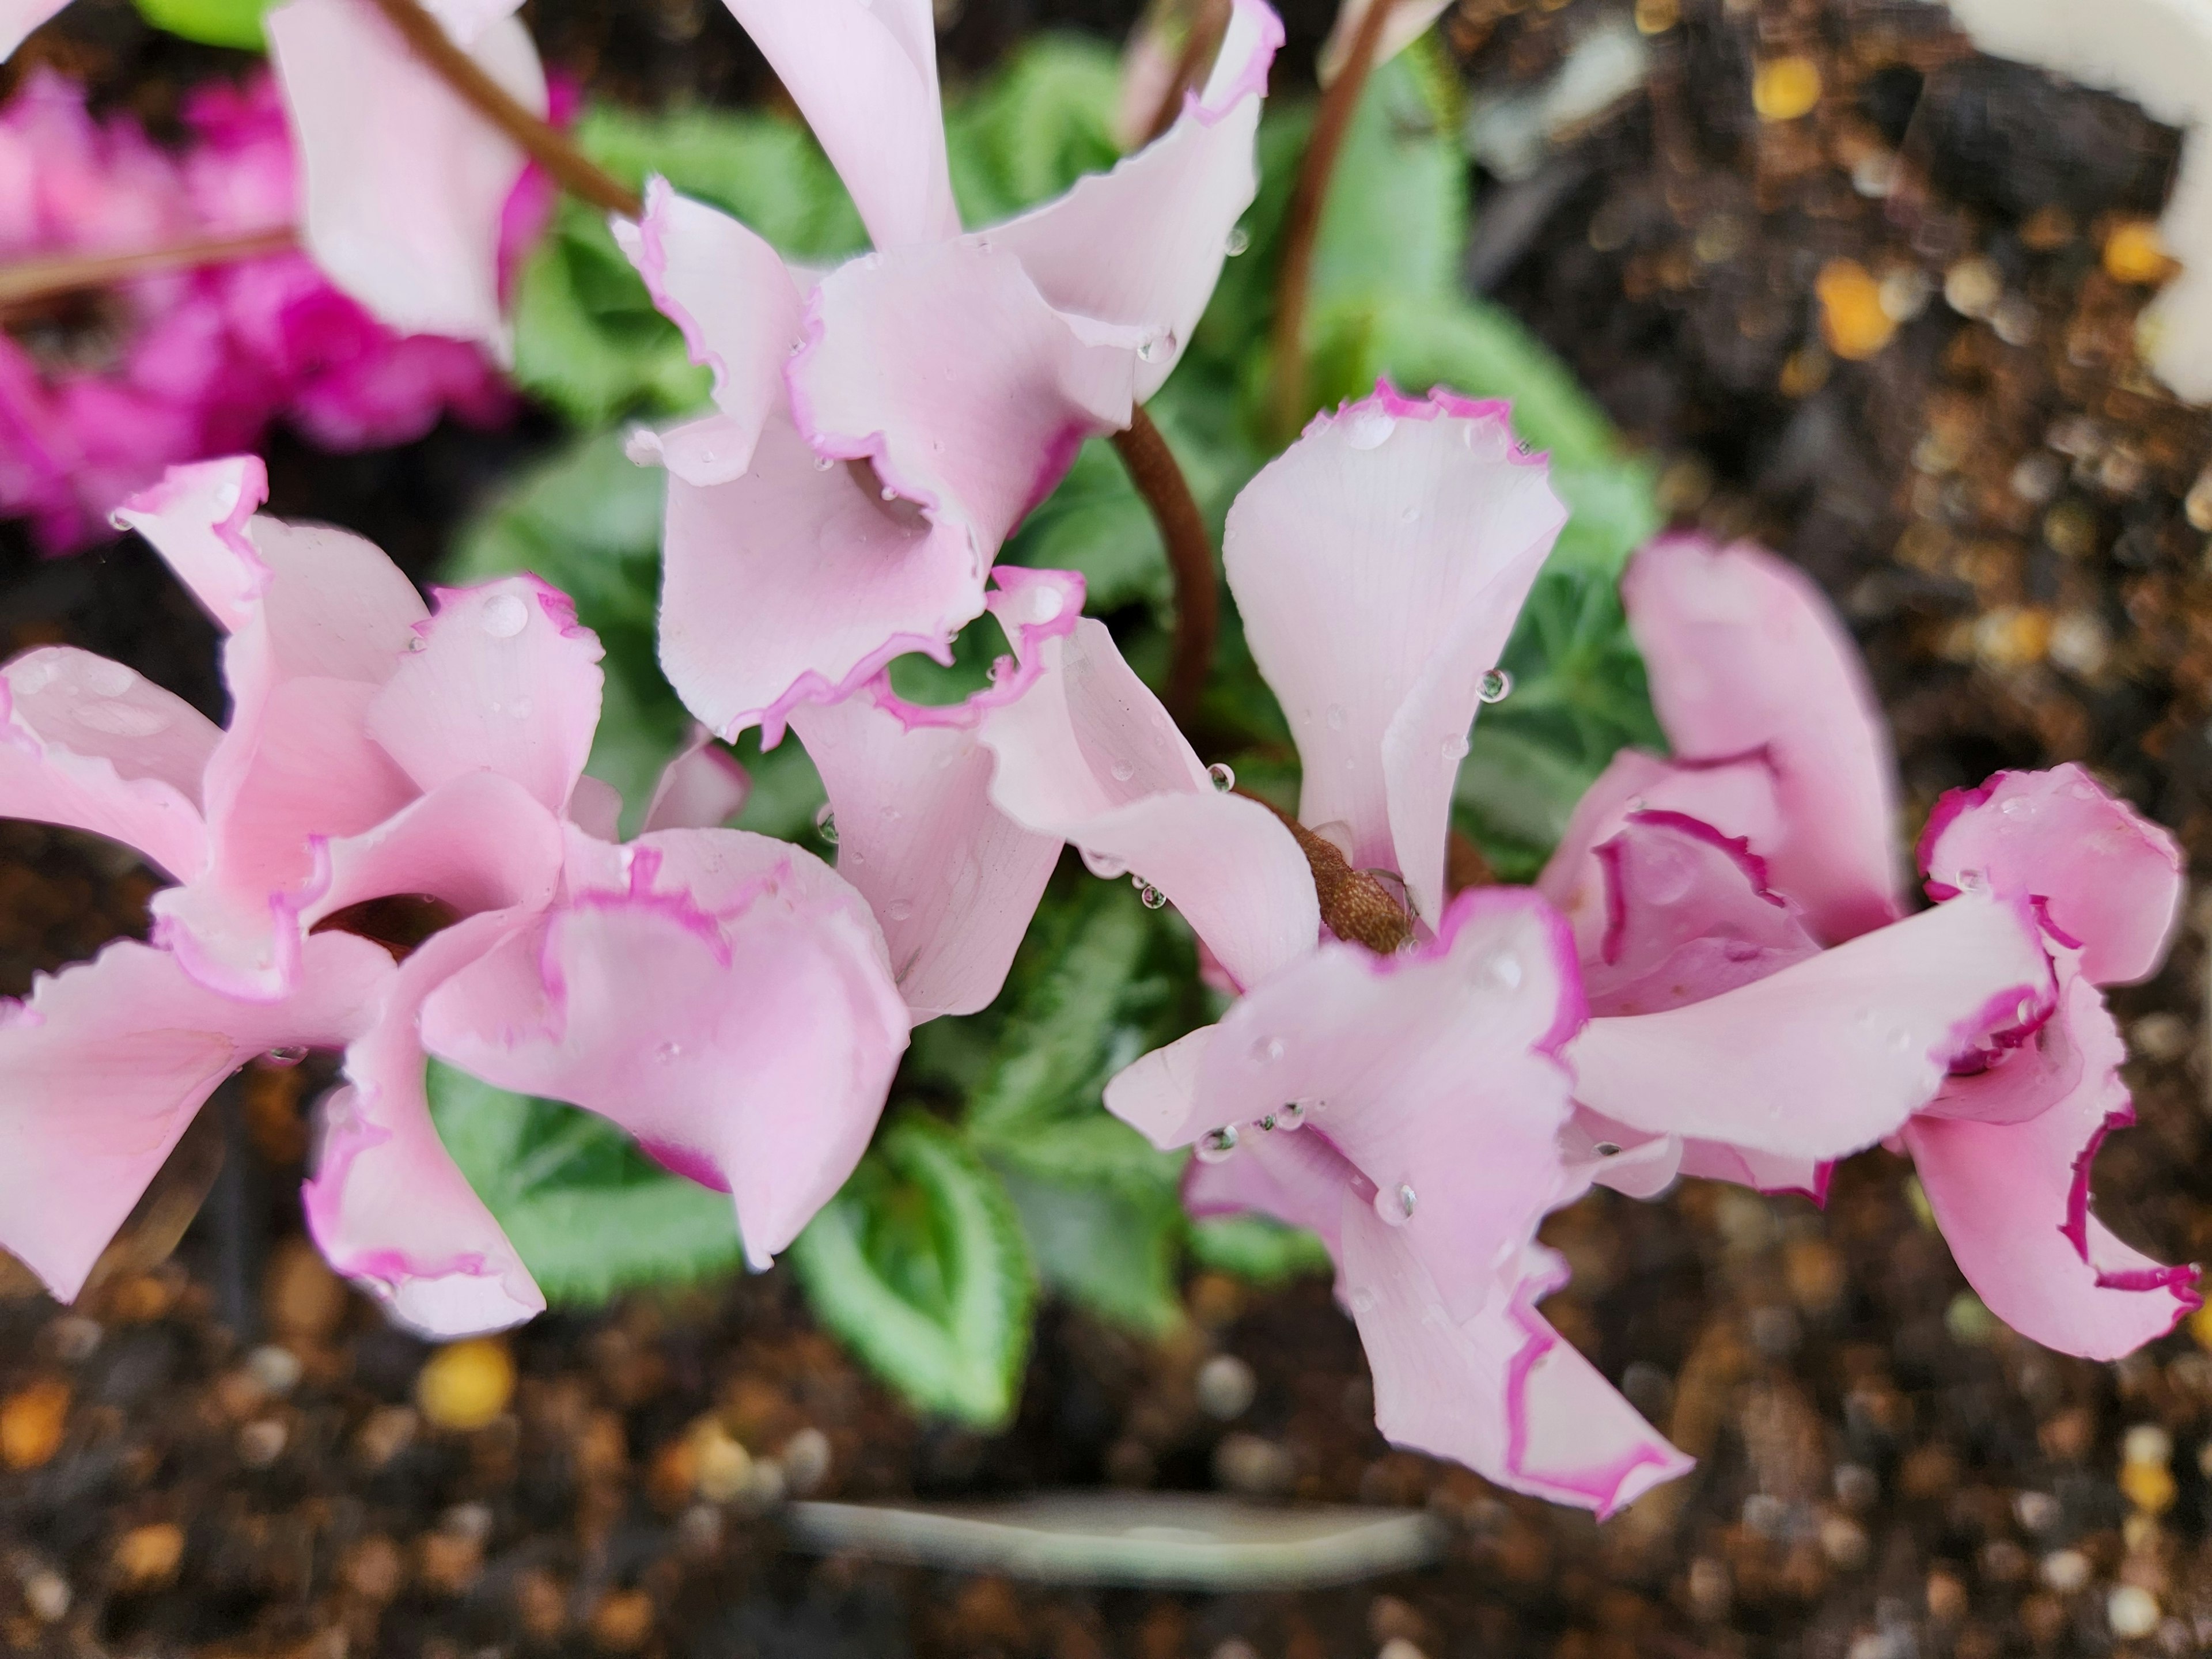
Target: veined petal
(2013, 1198)
(945, 367)
(1142, 246)
(864, 74)
(1832, 1054)
(507, 681)
(404, 183)
(388, 1206)
(796, 583)
(702, 787)
(2105, 878)
(1379, 564)
(1734, 797)
(1408, 21)
(1498, 1391)
(88, 744)
(103, 1067)
(1745, 654)
(746, 1038)
(740, 312)
(196, 520)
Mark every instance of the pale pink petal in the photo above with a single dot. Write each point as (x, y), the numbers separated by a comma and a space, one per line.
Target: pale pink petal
(1156, 1094)
(1087, 754)
(1496, 1389)
(1735, 797)
(952, 880)
(945, 367)
(507, 681)
(1379, 564)
(1833, 1053)
(1298, 1179)
(1766, 1172)
(405, 184)
(101, 1070)
(2013, 1200)
(335, 607)
(387, 1206)
(1685, 914)
(702, 787)
(1142, 246)
(747, 1038)
(2105, 877)
(596, 807)
(478, 841)
(1408, 21)
(1746, 655)
(1599, 1152)
(864, 74)
(739, 311)
(88, 744)
(19, 17)
(196, 518)
(797, 584)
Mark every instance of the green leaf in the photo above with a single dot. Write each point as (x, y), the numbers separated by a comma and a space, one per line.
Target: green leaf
(211, 22)
(1106, 1249)
(587, 338)
(1395, 220)
(590, 1213)
(1257, 1248)
(1039, 124)
(921, 1266)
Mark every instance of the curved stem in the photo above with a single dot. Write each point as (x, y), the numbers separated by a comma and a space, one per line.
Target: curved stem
(1209, 22)
(543, 143)
(1158, 478)
(1302, 220)
(33, 280)
(1353, 904)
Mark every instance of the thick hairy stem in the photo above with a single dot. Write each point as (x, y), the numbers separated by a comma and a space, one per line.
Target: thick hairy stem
(540, 140)
(1302, 222)
(33, 280)
(1158, 478)
(1209, 22)
(1354, 905)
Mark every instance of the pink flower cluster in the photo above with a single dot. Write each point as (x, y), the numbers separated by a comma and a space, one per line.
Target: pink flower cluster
(173, 366)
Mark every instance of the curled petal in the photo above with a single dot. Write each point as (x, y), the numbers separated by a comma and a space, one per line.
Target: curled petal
(1745, 654)
(88, 744)
(506, 682)
(1379, 564)
(739, 311)
(1087, 754)
(388, 1206)
(1498, 1391)
(1734, 797)
(746, 1038)
(1298, 1179)
(796, 583)
(702, 787)
(1408, 21)
(945, 367)
(1142, 246)
(196, 518)
(103, 1067)
(1832, 1054)
(864, 74)
(2013, 1198)
(478, 841)
(405, 185)
(2105, 878)
(1156, 1094)
(1686, 914)
(1764, 1172)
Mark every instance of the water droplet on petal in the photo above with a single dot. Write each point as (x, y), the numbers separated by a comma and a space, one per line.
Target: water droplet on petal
(2025, 1012)
(1224, 780)
(1100, 865)
(1217, 1144)
(1505, 968)
(890, 495)
(1124, 770)
(1370, 429)
(285, 1056)
(519, 709)
(667, 1052)
(823, 463)
(1496, 686)
(898, 909)
(1150, 896)
(826, 823)
(1237, 241)
(416, 642)
(1267, 1050)
(1044, 605)
(1453, 750)
(1363, 1300)
(1335, 717)
(1292, 1116)
(504, 616)
(1394, 1205)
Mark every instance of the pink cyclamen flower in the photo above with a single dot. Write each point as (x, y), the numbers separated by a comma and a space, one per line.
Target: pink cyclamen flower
(1726, 901)
(723, 996)
(879, 430)
(1410, 1111)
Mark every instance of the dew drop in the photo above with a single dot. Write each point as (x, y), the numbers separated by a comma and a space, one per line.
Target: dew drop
(416, 642)
(1150, 896)
(1124, 770)
(1044, 605)
(890, 495)
(1454, 748)
(1100, 865)
(1496, 686)
(287, 1055)
(504, 616)
(826, 823)
(1608, 1149)
(1237, 241)
(1973, 881)
(2025, 1012)
(1217, 1144)
(1335, 717)
(1370, 429)
(1293, 1117)
(1505, 968)
(2015, 807)
(519, 709)
(1224, 779)
(1394, 1205)
(1267, 1050)
(1363, 1300)
(823, 463)
(667, 1052)
(898, 909)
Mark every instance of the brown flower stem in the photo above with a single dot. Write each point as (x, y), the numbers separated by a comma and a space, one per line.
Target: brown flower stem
(1209, 22)
(1302, 220)
(1158, 478)
(544, 144)
(26, 284)
(1354, 905)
